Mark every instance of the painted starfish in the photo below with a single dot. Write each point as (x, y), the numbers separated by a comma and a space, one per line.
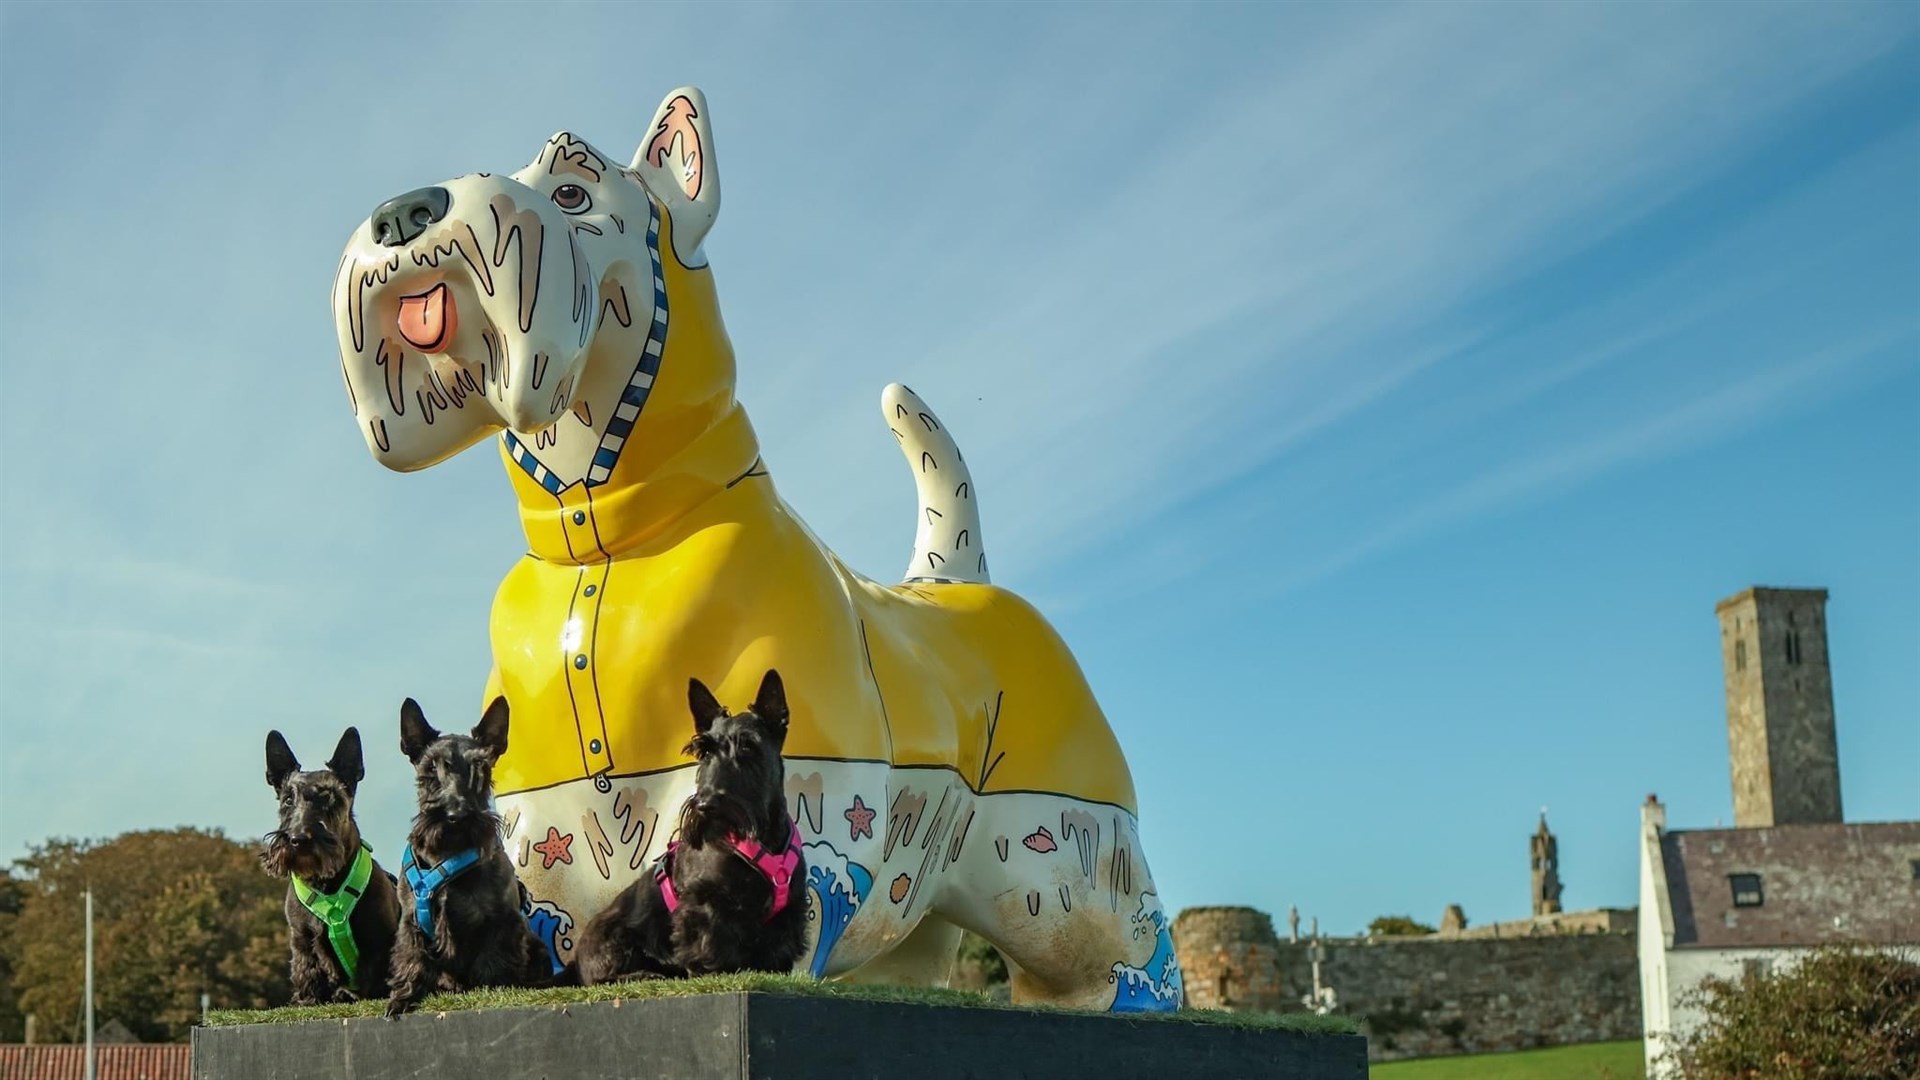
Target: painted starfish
(557, 847)
(860, 818)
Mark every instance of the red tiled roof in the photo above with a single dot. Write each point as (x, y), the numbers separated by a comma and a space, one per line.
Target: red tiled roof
(141, 1061)
(1818, 883)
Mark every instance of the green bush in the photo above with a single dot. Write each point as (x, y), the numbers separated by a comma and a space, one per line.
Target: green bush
(1843, 1013)
(989, 967)
(1398, 926)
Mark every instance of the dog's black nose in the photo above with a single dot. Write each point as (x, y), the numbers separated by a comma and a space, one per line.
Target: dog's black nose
(398, 220)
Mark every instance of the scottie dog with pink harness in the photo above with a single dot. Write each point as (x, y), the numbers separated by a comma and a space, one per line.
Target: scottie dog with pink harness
(729, 893)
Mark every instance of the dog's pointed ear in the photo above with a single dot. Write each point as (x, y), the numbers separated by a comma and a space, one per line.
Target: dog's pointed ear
(415, 733)
(347, 762)
(771, 703)
(676, 162)
(280, 760)
(705, 708)
(491, 731)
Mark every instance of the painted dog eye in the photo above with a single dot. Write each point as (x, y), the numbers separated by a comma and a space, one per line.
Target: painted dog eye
(572, 198)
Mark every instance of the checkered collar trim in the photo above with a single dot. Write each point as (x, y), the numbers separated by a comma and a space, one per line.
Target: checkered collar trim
(632, 400)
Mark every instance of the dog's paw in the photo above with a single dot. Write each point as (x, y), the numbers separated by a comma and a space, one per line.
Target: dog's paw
(344, 996)
(396, 1006)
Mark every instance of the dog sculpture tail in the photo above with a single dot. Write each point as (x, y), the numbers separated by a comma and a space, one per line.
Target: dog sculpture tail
(947, 544)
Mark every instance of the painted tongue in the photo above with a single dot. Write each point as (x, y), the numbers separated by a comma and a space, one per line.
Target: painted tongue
(427, 320)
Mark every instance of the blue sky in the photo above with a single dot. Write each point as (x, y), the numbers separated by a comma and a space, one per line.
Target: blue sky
(1377, 398)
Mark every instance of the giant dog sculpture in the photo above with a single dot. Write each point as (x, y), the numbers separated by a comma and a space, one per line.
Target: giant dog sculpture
(947, 763)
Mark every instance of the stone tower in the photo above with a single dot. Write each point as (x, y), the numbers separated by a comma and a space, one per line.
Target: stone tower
(1786, 761)
(1546, 870)
(1231, 959)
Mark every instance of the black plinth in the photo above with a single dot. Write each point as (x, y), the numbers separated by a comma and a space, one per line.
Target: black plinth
(737, 1036)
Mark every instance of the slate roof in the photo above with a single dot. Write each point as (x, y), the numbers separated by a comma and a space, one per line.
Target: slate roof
(1818, 884)
(139, 1061)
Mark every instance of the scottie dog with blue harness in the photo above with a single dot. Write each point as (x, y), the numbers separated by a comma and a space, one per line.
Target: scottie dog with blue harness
(341, 906)
(461, 925)
(729, 892)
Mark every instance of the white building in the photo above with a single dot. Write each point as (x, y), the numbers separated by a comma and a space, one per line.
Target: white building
(1791, 875)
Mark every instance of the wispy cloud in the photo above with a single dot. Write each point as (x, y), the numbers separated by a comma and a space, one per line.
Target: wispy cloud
(1135, 262)
(1710, 417)
(1253, 271)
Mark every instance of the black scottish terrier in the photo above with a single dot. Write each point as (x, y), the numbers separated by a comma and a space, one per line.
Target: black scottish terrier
(460, 919)
(341, 905)
(729, 894)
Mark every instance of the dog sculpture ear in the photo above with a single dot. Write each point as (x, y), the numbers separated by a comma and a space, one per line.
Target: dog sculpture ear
(347, 763)
(280, 760)
(771, 704)
(415, 733)
(677, 163)
(705, 709)
(491, 731)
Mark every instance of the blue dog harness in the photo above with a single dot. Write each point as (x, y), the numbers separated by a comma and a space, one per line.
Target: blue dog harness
(425, 883)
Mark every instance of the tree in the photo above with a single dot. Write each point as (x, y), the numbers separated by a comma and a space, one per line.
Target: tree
(176, 913)
(1397, 926)
(12, 1021)
(1843, 1013)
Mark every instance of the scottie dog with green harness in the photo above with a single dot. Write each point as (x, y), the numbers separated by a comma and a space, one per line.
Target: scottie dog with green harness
(461, 923)
(342, 908)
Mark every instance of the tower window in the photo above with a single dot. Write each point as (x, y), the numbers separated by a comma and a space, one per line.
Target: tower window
(1793, 646)
(1746, 890)
(1916, 869)
(1739, 656)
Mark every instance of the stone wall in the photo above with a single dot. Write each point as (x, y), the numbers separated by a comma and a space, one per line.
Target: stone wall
(1593, 921)
(1422, 996)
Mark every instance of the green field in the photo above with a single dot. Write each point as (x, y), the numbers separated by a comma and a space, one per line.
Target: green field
(1592, 1061)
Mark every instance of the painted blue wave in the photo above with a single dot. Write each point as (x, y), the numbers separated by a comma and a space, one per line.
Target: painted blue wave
(1155, 986)
(551, 925)
(836, 903)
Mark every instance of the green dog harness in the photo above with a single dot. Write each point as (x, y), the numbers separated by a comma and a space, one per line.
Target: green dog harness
(335, 909)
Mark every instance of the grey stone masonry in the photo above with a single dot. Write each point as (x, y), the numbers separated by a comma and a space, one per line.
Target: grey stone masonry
(1425, 996)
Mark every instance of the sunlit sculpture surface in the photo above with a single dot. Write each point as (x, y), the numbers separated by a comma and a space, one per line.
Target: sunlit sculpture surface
(947, 763)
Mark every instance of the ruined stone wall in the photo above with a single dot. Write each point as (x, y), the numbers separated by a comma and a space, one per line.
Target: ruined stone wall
(1426, 996)
(1595, 921)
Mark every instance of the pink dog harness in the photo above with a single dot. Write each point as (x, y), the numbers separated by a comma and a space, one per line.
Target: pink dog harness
(776, 867)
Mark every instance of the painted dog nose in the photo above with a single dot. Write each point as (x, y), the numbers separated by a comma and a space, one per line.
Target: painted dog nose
(398, 220)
